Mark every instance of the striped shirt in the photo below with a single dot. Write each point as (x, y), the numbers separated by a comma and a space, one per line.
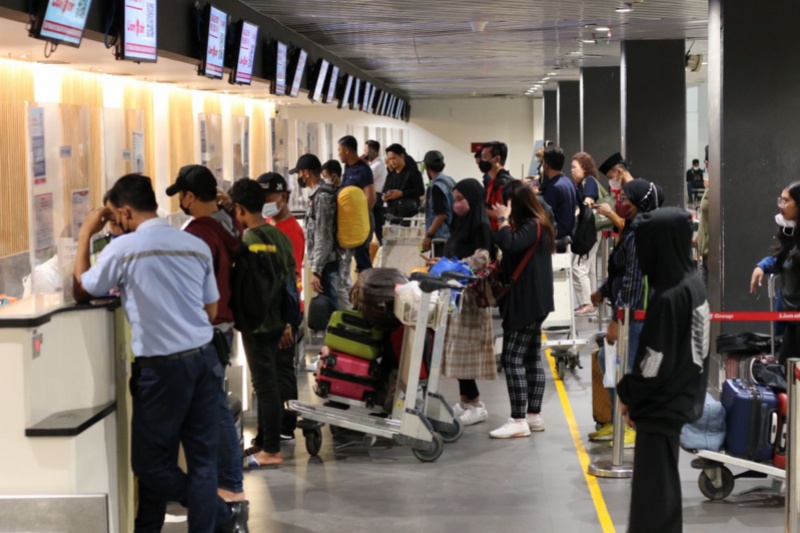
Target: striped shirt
(165, 277)
(626, 289)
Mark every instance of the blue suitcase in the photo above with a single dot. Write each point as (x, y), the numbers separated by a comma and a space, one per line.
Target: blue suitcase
(750, 410)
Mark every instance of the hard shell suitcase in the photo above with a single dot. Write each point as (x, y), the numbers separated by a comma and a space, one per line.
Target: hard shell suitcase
(350, 333)
(749, 411)
(601, 401)
(333, 383)
(373, 295)
(396, 340)
(347, 364)
(780, 435)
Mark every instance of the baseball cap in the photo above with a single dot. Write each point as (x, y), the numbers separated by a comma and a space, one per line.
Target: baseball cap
(611, 162)
(273, 182)
(307, 162)
(434, 157)
(196, 179)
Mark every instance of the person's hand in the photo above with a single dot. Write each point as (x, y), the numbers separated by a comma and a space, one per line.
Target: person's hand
(394, 194)
(95, 221)
(426, 244)
(694, 241)
(502, 210)
(224, 200)
(430, 261)
(756, 279)
(612, 334)
(604, 209)
(626, 415)
(287, 340)
(597, 298)
(316, 284)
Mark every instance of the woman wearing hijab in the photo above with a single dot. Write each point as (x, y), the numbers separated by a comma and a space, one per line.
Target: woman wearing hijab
(626, 286)
(469, 351)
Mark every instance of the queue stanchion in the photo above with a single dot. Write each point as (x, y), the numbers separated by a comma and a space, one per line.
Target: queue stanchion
(617, 468)
(793, 447)
(772, 296)
(601, 309)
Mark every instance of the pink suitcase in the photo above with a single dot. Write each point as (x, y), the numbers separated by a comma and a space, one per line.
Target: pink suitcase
(344, 375)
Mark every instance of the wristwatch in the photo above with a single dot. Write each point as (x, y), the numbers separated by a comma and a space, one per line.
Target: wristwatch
(502, 220)
(429, 236)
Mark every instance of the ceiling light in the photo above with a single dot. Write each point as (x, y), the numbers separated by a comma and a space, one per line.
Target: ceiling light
(626, 8)
(552, 73)
(705, 62)
(603, 28)
(589, 41)
(545, 79)
(23, 57)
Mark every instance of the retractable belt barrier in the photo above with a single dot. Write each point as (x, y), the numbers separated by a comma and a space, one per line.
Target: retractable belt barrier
(736, 316)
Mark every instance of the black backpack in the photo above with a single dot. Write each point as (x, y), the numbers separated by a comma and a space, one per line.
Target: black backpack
(251, 286)
(585, 235)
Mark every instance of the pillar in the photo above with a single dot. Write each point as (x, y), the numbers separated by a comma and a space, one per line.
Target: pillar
(569, 119)
(654, 113)
(550, 116)
(600, 112)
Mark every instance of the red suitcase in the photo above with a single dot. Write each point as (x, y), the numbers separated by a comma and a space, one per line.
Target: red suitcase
(780, 439)
(349, 364)
(347, 376)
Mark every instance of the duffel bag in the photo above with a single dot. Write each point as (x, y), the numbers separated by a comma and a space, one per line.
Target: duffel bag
(708, 431)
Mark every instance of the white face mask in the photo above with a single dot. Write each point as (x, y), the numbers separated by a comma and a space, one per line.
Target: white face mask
(782, 222)
(614, 184)
(270, 210)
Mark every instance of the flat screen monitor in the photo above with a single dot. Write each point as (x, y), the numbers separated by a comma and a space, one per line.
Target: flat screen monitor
(366, 96)
(297, 68)
(390, 106)
(356, 94)
(277, 68)
(61, 21)
(399, 114)
(215, 35)
(333, 81)
(138, 38)
(348, 88)
(315, 92)
(242, 71)
(379, 102)
(372, 99)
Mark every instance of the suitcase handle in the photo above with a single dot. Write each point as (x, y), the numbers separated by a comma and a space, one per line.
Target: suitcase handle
(355, 320)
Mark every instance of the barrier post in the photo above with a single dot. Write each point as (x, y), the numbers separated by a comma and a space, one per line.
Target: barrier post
(617, 468)
(772, 296)
(793, 447)
(601, 309)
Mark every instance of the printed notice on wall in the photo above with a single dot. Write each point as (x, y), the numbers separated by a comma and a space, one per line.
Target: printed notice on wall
(43, 236)
(138, 152)
(80, 209)
(36, 129)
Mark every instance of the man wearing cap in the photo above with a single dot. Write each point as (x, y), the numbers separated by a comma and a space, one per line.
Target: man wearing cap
(169, 294)
(196, 188)
(320, 225)
(438, 200)
(616, 170)
(277, 210)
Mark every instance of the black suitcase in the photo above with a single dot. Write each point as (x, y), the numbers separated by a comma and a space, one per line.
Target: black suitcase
(373, 295)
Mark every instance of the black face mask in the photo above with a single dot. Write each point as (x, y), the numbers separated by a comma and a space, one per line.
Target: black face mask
(300, 182)
(185, 210)
(485, 166)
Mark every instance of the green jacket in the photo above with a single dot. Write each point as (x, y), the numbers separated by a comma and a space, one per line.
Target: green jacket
(270, 240)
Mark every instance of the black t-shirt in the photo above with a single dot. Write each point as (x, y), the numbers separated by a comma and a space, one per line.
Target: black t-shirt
(439, 201)
(694, 174)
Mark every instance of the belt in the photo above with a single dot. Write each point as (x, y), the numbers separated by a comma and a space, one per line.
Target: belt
(163, 359)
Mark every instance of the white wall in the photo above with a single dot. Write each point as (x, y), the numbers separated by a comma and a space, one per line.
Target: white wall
(696, 123)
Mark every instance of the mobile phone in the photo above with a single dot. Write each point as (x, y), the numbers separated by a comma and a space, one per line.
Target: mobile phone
(438, 247)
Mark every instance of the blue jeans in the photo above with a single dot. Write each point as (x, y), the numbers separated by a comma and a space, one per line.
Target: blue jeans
(177, 402)
(633, 347)
(330, 283)
(229, 466)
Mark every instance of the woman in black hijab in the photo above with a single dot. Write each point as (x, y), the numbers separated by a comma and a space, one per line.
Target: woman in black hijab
(469, 350)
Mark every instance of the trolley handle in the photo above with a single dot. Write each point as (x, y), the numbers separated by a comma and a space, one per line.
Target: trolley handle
(459, 276)
(428, 283)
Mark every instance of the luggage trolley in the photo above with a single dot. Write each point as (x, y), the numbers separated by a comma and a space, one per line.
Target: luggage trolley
(565, 351)
(401, 240)
(407, 424)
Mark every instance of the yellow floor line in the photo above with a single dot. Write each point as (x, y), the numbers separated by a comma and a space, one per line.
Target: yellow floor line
(594, 489)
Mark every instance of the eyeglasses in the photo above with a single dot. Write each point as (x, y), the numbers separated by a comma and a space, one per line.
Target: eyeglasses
(782, 202)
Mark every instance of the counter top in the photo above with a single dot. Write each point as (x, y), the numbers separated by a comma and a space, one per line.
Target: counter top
(37, 310)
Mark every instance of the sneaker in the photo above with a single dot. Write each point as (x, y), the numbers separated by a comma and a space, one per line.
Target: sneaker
(511, 429)
(586, 310)
(474, 414)
(459, 408)
(287, 437)
(630, 438)
(535, 422)
(603, 434)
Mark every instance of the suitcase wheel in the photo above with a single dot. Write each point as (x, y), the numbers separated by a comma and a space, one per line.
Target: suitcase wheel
(313, 441)
(708, 486)
(369, 400)
(330, 361)
(323, 389)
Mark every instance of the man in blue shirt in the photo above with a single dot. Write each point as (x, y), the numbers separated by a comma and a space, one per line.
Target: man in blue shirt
(559, 192)
(169, 294)
(357, 172)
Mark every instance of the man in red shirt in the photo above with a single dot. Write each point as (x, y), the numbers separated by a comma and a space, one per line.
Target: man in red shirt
(276, 208)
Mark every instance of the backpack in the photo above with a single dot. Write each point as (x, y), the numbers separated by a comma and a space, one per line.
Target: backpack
(290, 303)
(585, 235)
(352, 213)
(251, 284)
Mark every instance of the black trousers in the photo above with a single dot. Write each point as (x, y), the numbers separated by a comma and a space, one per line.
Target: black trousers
(468, 388)
(656, 502)
(262, 355)
(378, 214)
(287, 383)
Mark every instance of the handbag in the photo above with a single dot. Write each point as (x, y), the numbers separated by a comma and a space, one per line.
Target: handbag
(490, 289)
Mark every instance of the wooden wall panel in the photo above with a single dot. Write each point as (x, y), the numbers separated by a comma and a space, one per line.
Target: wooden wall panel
(259, 140)
(181, 135)
(140, 96)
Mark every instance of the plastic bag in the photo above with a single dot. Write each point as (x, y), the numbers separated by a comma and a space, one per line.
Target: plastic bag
(610, 376)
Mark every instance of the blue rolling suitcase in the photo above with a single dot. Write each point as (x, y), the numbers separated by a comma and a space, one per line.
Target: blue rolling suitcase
(750, 410)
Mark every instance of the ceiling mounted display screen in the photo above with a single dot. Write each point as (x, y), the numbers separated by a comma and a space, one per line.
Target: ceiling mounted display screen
(356, 94)
(278, 69)
(322, 74)
(348, 87)
(298, 68)
(333, 81)
(61, 21)
(214, 57)
(367, 95)
(242, 72)
(139, 30)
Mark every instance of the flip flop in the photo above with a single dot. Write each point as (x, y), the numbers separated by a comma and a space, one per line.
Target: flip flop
(252, 464)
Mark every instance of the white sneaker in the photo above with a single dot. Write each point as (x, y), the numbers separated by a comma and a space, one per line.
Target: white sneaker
(459, 408)
(474, 414)
(511, 429)
(535, 422)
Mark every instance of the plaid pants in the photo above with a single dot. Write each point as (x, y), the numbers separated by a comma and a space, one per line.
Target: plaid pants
(522, 361)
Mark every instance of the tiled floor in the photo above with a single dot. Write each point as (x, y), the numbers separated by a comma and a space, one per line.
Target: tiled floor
(479, 484)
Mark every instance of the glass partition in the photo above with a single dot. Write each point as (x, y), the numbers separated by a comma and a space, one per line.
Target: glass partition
(210, 133)
(240, 138)
(123, 144)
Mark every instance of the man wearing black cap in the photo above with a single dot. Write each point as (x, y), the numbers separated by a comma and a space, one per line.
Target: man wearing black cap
(438, 200)
(320, 225)
(196, 188)
(616, 170)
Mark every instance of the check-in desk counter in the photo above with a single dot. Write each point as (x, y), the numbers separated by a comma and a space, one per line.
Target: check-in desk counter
(64, 411)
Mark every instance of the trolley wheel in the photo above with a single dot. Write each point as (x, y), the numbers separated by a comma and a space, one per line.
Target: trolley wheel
(573, 362)
(313, 441)
(710, 491)
(561, 368)
(431, 456)
(455, 434)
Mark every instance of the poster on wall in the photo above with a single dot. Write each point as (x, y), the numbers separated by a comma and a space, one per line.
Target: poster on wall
(36, 129)
(43, 233)
(80, 209)
(138, 152)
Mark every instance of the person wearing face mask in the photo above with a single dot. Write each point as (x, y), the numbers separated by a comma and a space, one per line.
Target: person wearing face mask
(320, 226)
(468, 345)
(169, 295)
(404, 187)
(615, 169)
(438, 200)
(626, 286)
(372, 156)
(786, 262)
(332, 172)
(276, 210)
(492, 164)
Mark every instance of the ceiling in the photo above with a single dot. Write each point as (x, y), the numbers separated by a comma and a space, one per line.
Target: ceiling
(427, 49)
